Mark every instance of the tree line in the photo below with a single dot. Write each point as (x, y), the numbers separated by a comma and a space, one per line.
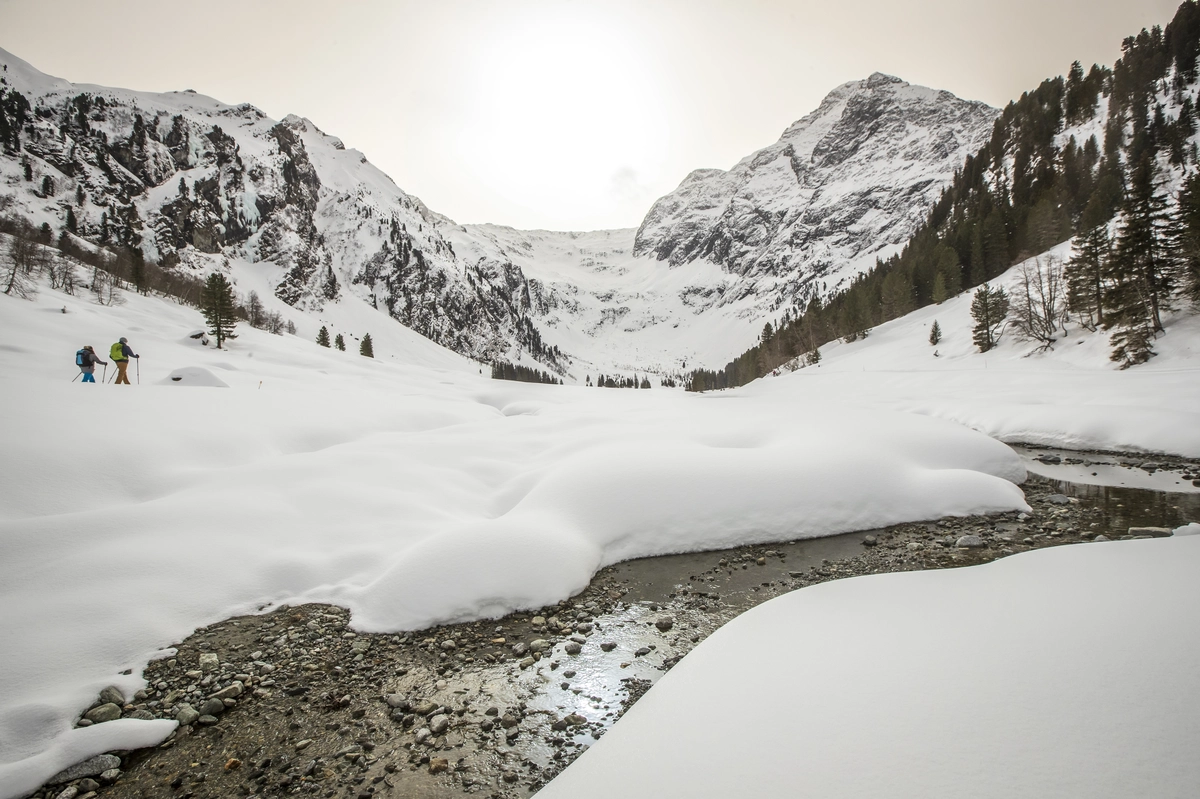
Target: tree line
(1023, 193)
(502, 370)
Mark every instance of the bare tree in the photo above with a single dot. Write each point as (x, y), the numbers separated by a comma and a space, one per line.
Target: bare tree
(17, 276)
(106, 287)
(62, 273)
(1039, 302)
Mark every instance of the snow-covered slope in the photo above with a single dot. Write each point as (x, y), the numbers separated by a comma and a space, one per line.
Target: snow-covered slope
(1070, 396)
(843, 186)
(289, 212)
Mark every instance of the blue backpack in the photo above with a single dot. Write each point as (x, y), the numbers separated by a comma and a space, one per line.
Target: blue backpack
(81, 358)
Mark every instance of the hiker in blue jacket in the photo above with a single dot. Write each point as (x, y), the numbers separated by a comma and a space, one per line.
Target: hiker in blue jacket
(86, 359)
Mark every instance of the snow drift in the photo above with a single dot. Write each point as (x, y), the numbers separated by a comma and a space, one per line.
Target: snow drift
(1063, 672)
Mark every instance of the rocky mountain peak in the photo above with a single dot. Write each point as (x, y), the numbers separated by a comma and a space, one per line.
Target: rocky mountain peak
(843, 185)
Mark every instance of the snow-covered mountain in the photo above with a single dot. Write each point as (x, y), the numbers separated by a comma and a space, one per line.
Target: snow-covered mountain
(287, 210)
(197, 184)
(846, 184)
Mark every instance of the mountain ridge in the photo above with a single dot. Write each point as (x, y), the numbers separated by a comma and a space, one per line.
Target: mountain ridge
(197, 185)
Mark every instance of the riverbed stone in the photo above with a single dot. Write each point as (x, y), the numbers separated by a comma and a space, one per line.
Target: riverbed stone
(209, 661)
(112, 694)
(234, 689)
(572, 648)
(539, 645)
(664, 624)
(1058, 499)
(425, 707)
(88, 768)
(439, 724)
(186, 714)
(103, 713)
(1153, 532)
(969, 542)
(212, 707)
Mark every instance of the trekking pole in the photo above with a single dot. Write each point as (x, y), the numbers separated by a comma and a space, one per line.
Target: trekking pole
(104, 376)
(76, 377)
(139, 370)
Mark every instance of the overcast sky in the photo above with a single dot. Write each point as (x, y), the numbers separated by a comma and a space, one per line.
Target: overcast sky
(571, 114)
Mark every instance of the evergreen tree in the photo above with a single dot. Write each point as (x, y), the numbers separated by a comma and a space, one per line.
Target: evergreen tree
(1187, 237)
(1143, 250)
(217, 305)
(1084, 275)
(339, 342)
(989, 306)
(935, 333)
(72, 222)
(366, 348)
(323, 336)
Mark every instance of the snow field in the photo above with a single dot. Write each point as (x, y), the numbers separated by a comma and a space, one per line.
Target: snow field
(1071, 397)
(408, 489)
(1061, 672)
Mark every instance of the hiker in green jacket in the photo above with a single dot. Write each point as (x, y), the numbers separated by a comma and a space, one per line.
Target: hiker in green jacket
(121, 353)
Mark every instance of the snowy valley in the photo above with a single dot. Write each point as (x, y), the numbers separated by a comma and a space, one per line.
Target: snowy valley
(280, 568)
(290, 214)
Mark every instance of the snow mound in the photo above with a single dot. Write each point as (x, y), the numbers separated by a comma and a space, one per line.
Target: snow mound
(1188, 529)
(1024, 677)
(193, 376)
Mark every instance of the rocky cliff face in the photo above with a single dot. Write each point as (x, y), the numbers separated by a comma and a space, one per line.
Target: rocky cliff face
(198, 185)
(842, 186)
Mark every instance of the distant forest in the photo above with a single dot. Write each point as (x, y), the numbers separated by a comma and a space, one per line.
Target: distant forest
(1021, 194)
(511, 371)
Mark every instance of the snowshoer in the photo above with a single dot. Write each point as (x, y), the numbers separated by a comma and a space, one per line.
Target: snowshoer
(86, 359)
(121, 353)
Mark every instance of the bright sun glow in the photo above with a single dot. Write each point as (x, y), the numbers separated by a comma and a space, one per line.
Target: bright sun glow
(566, 115)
